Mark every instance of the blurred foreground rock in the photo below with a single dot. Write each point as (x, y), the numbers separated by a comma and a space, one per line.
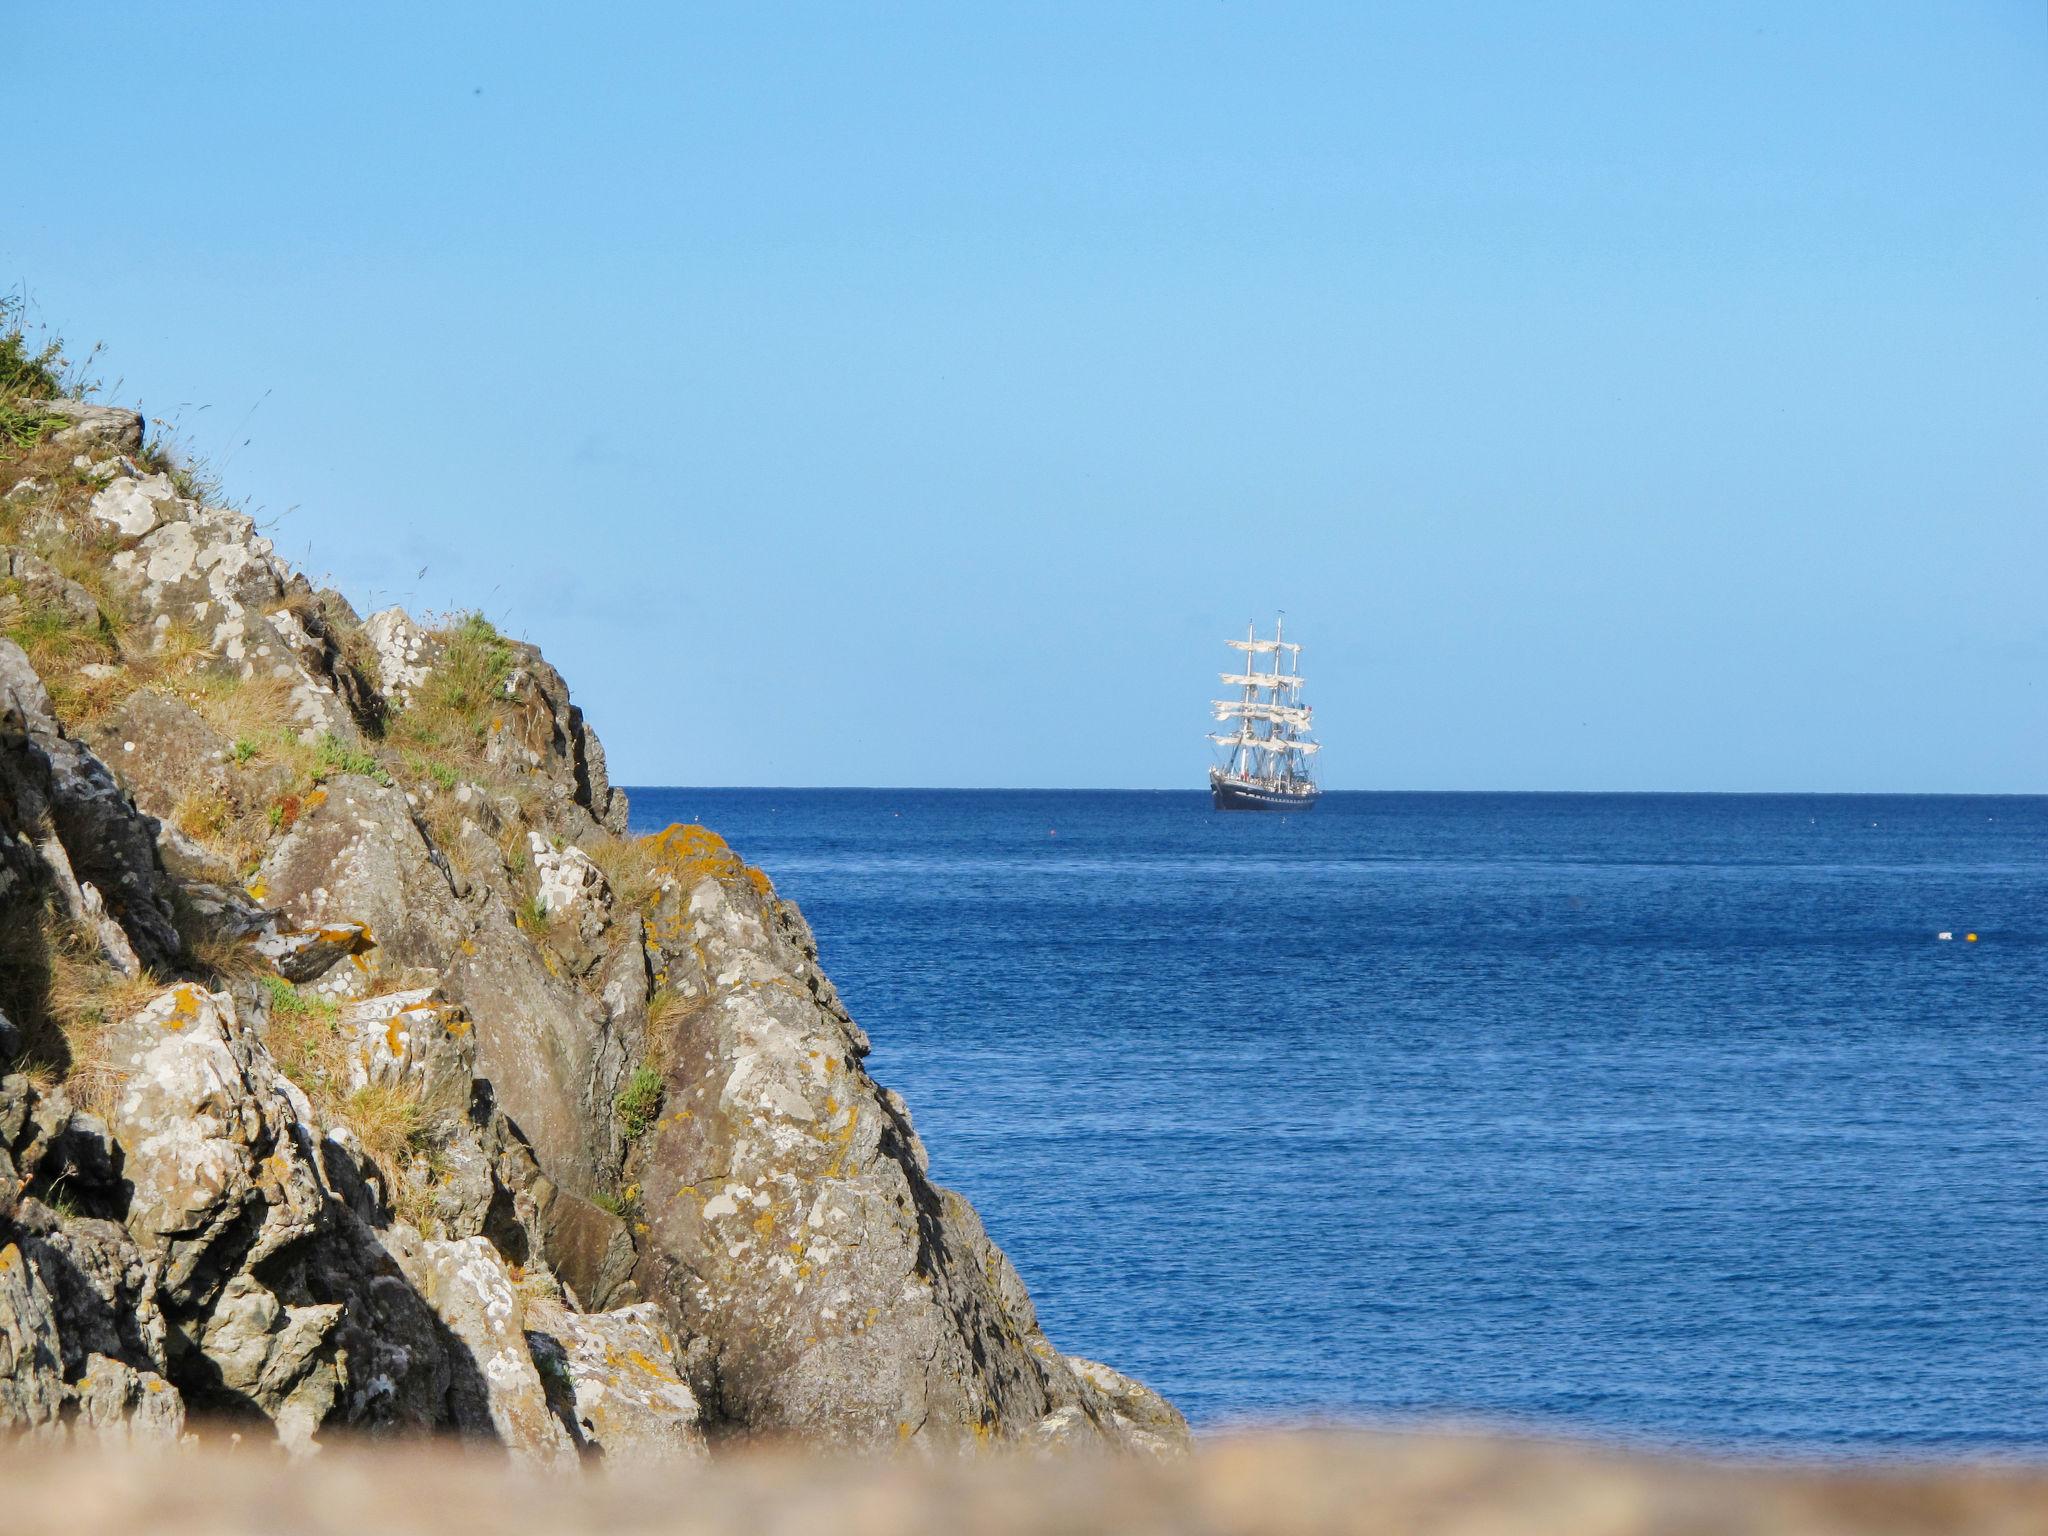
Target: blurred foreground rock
(1365, 1485)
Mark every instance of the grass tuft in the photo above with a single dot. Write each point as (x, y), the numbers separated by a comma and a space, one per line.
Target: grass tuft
(639, 1103)
(451, 714)
(27, 371)
(332, 755)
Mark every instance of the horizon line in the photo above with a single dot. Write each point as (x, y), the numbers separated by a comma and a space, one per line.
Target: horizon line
(1079, 789)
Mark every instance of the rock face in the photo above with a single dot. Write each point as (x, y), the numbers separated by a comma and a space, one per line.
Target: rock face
(829, 1286)
(100, 855)
(358, 1071)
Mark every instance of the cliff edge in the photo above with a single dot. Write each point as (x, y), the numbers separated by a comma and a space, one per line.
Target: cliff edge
(359, 1070)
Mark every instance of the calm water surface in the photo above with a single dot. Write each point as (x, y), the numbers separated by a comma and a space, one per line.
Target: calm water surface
(1655, 1116)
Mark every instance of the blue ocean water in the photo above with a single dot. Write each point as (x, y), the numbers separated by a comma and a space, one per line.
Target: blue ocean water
(1659, 1117)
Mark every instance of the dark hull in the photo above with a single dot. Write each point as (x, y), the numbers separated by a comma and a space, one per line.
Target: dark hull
(1238, 797)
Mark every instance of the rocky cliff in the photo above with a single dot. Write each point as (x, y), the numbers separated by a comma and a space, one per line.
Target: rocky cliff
(359, 1071)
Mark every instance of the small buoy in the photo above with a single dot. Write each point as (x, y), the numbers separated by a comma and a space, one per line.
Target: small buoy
(1944, 935)
(1052, 831)
(1969, 938)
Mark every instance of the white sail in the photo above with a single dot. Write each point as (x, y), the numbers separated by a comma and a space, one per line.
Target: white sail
(1261, 679)
(1267, 743)
(1261, 647)
(1300, 716)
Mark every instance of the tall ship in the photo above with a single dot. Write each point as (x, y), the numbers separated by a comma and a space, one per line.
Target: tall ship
(1265, 765)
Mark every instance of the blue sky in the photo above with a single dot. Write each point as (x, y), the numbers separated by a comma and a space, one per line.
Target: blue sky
(1614, 396)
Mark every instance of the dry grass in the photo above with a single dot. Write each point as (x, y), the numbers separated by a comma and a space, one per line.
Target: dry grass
(453, 712)
(399, 1128)
(224, 960)
(405, 1132)
(29, 369)
(303, 1035)
(204, 813)
(665, 1009)
(58, 988)
(257, 711)
(59, 644)
(390, 1124)
(629, 867)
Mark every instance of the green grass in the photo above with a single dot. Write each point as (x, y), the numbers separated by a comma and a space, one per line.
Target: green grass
(454, 710)
(26, 371)
(332, 755)
(289, 1001)
(639, 1103)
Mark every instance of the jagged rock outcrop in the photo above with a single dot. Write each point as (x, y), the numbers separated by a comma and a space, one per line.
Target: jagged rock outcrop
(828, 1285)
(383, 1083)
(100, 855)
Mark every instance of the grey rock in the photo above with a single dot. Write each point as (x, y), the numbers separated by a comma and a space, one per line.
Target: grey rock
(104, 1292)
(358, 855)
(1148, 1422)
(42, 581)
(220, 1162)
(207, 566)
(828, 1286)
(99, 852)
(626, 1397)
(307, 954)
(122, 1406)
(95, 426)
(545, 1046)
(545, 733)
(413, 1038)
(587, 1247)
(467, 1284)
(134, 507)
(269, 1354)
(406, 653)
(32, 1394)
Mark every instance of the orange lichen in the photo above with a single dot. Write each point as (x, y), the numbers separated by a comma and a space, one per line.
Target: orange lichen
(659, 1372)
(690, 852)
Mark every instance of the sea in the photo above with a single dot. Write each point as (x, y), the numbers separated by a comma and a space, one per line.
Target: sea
(1692, 1121)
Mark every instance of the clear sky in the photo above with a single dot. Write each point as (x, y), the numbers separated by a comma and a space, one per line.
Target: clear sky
(1615, 396)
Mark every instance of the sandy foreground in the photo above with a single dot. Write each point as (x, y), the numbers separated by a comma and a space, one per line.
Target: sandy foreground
(1277, 1484)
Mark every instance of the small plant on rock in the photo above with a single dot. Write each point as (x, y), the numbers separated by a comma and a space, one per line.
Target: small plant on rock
(332, 755)
(639, 1103)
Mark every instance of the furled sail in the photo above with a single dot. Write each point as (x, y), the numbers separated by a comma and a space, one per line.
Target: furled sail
(1300, 716)
(1261, 680)
(1267, 743)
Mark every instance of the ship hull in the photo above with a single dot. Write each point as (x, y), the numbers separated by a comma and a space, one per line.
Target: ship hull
(1229, 796)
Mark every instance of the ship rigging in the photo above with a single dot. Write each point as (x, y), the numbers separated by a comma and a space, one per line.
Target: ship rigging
(1266, 758)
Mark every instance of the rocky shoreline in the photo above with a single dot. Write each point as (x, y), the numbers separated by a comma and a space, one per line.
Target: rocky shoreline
(360, 1074)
